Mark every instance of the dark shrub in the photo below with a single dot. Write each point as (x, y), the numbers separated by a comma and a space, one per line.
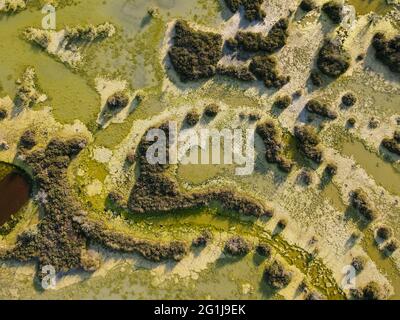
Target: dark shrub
(384, 232)
(252, 8)
(211, 110)
(276, 276)
(349, 99)
(331, 169)
(333, 60)
(271, 136)
(373, 123)
(27, 140)
(308, 142)
(131, 157)
(3, 114)
(393, 145)
(282, 223)
(192, 118)
(334, 10)
(387, 51)
(236, 72)
(195, 54)
(358, 263)
(306, 177)
(391, 246)
(321, 109)
(265, 69)
(255, 41)
(360, 202)
(237, 246)
(307, 5)
(351, 122)
(118, 100)
(202, 239)
(264, 250)
(372, 291)
(282, 102)
(316, 79)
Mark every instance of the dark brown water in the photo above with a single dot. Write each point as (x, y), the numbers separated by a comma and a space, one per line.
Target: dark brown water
(14, 194)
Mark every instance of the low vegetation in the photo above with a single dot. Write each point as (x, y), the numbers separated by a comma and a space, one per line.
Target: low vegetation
(195, 54)
(387, 51)
(252, 8)
(333, 60)
(392, 144)
(271, 136)
(276, 276)
(308, 142)
(237, 246)
(359, 201)
(334, 10)
(321, 109)
(265, 69)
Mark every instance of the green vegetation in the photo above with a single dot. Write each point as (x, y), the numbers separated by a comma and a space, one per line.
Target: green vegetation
(276, 276)
(360, 202)
(271, 136)
(321, 109)
(308, 142)
(333, 60)
(387, 51)
(252, 8)
(334, 10)
(195, 54)
(237, 246)
(265, 69)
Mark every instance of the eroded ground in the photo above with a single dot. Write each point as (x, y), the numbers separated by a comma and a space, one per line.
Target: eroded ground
(114, 227)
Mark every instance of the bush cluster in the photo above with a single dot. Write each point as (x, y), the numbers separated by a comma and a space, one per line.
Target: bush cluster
(387, 51)
(195, 54)
(271, 136)
(308, 142)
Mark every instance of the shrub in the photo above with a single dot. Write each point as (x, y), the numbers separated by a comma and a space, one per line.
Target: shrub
(195, 54)
(372, 291)
(349, 99)
(237, 72)
(313, 296)
(192, 118)
(393, 145)
(387, 51)
(252, 8)
(271, 136)
(384, 232)
(373, 123)
(316, 79)
(276, 276)
(237, 246)
(282, 102)
(118, 100)
(308, 142)
(255, 41)
(264, 250)
(351, 122)
(27, 140)
(315, 106)
(306, 176)
(333, 60)
(360, 202)
(391, 246)
(3, 114)
(331, 169)
(131, 157)
(358, 263)
(265, 69)
(307, 5)
(334, 10)
(282, 223)
(202, 239)
(211, 110)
